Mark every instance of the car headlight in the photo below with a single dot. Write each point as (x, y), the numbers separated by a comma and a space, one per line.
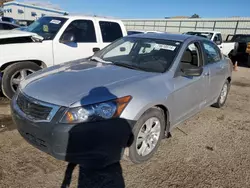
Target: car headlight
(96, 112)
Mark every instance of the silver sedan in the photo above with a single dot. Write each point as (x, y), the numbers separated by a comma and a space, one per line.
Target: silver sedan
(131, 94)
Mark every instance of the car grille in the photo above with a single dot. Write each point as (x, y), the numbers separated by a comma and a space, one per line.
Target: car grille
(31, 109)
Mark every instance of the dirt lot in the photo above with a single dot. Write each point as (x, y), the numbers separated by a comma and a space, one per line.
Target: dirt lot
(211, 149)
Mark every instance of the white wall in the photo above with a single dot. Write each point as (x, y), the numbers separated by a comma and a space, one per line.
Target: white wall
(225, 26)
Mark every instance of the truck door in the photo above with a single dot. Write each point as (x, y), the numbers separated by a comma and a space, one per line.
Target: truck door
(218, 40)
(109, 31)
(79, 40)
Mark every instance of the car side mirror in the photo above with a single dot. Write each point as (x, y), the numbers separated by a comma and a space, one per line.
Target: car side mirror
(68, 38)
(193, 71)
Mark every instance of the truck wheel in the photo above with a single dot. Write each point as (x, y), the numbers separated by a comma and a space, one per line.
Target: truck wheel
(148, 133)
(223, 95)
(14, 74)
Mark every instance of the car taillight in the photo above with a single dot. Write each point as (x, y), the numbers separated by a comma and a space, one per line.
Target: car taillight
(248, 48)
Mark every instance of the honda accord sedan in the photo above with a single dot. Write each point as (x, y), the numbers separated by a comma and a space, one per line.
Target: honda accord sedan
(123, 100)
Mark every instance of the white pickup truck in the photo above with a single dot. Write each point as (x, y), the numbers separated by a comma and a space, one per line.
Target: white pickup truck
(215, 36)
(237, 47)
(52, 40)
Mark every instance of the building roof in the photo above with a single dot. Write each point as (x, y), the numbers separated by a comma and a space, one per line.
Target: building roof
(35, 6)
(4, 1)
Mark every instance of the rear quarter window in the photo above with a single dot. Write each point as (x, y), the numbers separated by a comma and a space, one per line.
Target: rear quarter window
(110, 31)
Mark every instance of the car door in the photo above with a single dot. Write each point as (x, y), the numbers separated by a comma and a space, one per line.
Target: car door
(189, 92)
(84, 44)
(216, 66)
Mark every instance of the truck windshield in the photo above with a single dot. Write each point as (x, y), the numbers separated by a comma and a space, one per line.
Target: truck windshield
(47, 27)
(201, 34)
(151, 55)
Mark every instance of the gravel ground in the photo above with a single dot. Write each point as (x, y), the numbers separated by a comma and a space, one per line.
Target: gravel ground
(209, 150)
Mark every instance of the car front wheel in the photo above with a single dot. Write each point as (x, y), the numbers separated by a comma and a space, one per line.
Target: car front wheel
(148, 132)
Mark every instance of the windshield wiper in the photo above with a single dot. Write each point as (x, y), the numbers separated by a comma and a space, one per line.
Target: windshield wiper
(98, 59)
(127, 65)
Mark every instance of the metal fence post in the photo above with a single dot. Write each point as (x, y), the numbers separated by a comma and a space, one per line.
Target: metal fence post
(236, 28)
(214, 25)
(195, 25)
(180, 27)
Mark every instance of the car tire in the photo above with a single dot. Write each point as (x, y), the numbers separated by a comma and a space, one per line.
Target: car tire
(153, 132)
(8, 86)
(223, 95)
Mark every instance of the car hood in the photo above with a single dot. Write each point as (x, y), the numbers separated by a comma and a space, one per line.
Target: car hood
(17, 33)
(69, 83)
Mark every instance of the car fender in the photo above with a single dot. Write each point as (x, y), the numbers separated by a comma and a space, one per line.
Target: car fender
(41, 51)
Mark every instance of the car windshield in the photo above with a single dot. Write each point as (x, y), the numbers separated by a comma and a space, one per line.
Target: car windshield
(47, 27)
(152, 55)
(201, 34)
(241, 38)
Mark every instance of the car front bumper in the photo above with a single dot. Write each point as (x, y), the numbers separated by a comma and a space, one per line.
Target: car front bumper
(94, 144)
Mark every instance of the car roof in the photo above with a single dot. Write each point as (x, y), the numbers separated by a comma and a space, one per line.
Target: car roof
(205, 31)
(166, 36)
(83, 17)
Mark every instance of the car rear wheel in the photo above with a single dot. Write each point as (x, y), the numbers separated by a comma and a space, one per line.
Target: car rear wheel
(14, 74)
(148, 132)
(223, 95)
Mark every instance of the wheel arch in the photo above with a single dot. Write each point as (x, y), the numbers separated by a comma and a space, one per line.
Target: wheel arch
(166, 112)
(38, 62)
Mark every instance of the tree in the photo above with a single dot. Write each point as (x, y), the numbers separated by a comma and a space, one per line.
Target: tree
(195, 16)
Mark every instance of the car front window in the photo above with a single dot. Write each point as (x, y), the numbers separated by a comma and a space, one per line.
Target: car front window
(47, 27)
(153, 55)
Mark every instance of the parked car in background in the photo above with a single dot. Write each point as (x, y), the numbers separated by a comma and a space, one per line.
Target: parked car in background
(8, 19)
(7, 26)
(238, 47)
(130, 94)
(132, 32)
(52, 40)
(214, 36)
